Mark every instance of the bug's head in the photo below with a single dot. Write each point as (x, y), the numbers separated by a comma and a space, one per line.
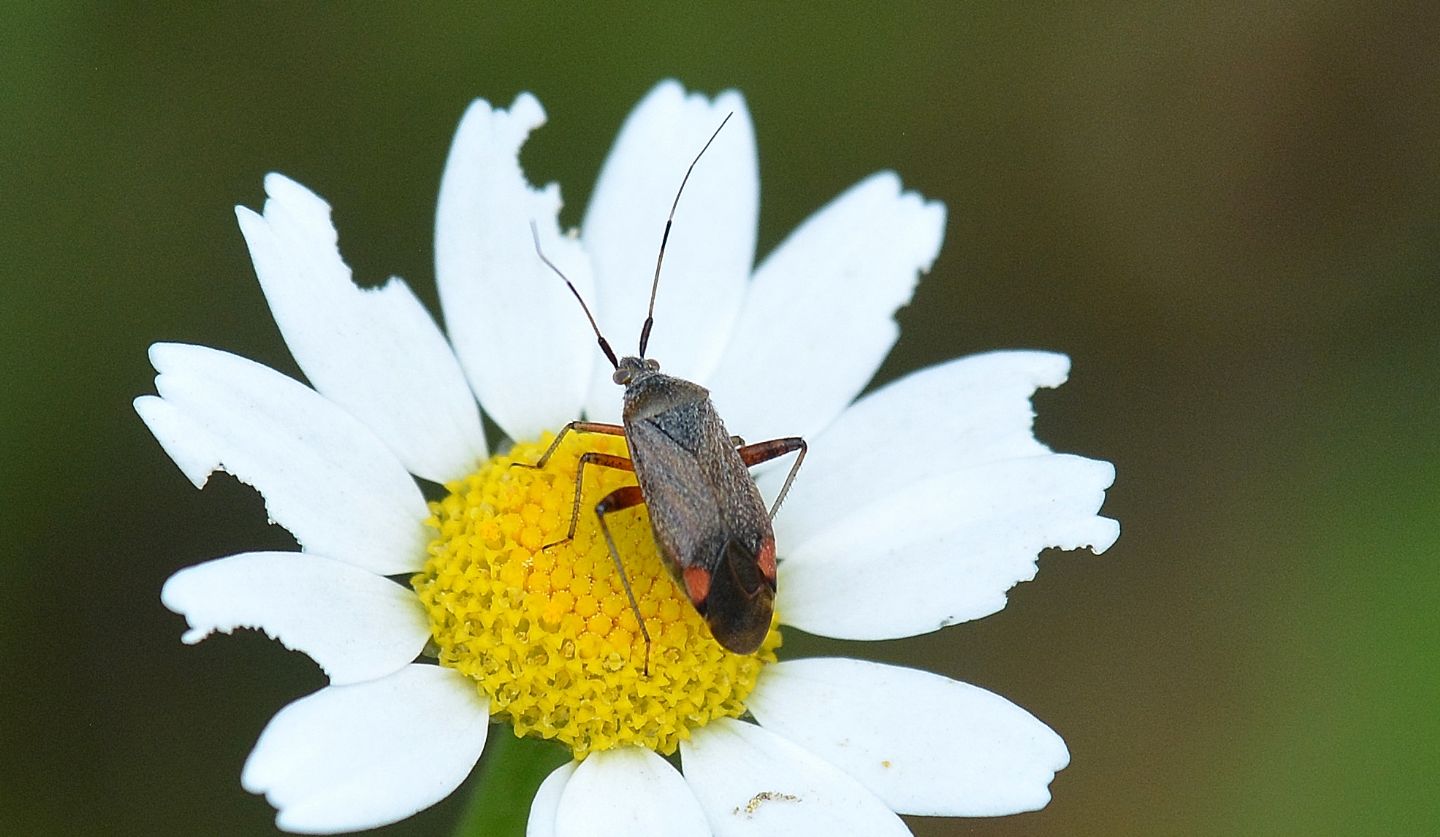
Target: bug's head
(631, 368)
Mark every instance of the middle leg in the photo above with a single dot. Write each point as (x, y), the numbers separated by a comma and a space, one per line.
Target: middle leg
(624, 497)
(766, 451)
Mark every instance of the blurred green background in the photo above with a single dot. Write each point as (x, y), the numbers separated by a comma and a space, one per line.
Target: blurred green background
(1227, 214)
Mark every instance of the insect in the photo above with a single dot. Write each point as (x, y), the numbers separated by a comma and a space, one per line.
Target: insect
(708, 518)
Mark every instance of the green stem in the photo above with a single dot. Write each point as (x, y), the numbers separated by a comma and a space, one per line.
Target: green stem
(510, 773)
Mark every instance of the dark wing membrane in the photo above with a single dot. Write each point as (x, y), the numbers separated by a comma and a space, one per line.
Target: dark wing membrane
(740, 600)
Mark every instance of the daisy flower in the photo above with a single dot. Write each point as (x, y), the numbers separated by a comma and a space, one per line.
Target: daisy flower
(439, 623)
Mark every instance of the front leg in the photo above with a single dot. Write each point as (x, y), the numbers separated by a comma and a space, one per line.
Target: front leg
(578, 427)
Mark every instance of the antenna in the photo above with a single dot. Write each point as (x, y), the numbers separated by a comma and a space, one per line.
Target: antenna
(604, 344)
(664, 239)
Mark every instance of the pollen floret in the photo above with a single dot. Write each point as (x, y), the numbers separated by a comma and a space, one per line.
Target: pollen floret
(548, 634)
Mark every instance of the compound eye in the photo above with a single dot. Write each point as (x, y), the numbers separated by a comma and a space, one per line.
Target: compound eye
(652, 364)
(621, 376)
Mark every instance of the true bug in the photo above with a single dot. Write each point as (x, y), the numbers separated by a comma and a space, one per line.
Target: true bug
(708, 518)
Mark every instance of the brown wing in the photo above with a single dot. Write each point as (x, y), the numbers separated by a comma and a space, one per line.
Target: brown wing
(698, 489)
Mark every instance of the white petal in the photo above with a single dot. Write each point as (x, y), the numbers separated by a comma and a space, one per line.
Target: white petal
(324, 476)
(936, 421)
(547, 799)
(523, 341)
(712, 244)
(628, 792)
(377, 353)
(751, 781)
(943, 550)
(923, 743)
(819, 317)
(355, 624)
(352, 757)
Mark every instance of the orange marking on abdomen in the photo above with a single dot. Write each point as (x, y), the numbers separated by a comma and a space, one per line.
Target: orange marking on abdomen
(766, 559)
(697, 584)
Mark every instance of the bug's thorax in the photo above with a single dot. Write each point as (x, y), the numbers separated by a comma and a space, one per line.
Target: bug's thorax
(650, 392)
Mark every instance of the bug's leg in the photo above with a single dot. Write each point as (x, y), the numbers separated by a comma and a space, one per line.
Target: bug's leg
(623, 498)
(605, 460)
(765, 451)
(578, 427)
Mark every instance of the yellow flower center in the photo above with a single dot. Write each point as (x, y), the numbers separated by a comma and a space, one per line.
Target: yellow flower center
(548, 634)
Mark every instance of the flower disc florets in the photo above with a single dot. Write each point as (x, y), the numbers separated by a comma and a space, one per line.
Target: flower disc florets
(548, 634)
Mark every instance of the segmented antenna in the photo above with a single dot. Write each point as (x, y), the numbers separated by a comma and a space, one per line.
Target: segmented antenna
(659, 260)
(604, 344)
